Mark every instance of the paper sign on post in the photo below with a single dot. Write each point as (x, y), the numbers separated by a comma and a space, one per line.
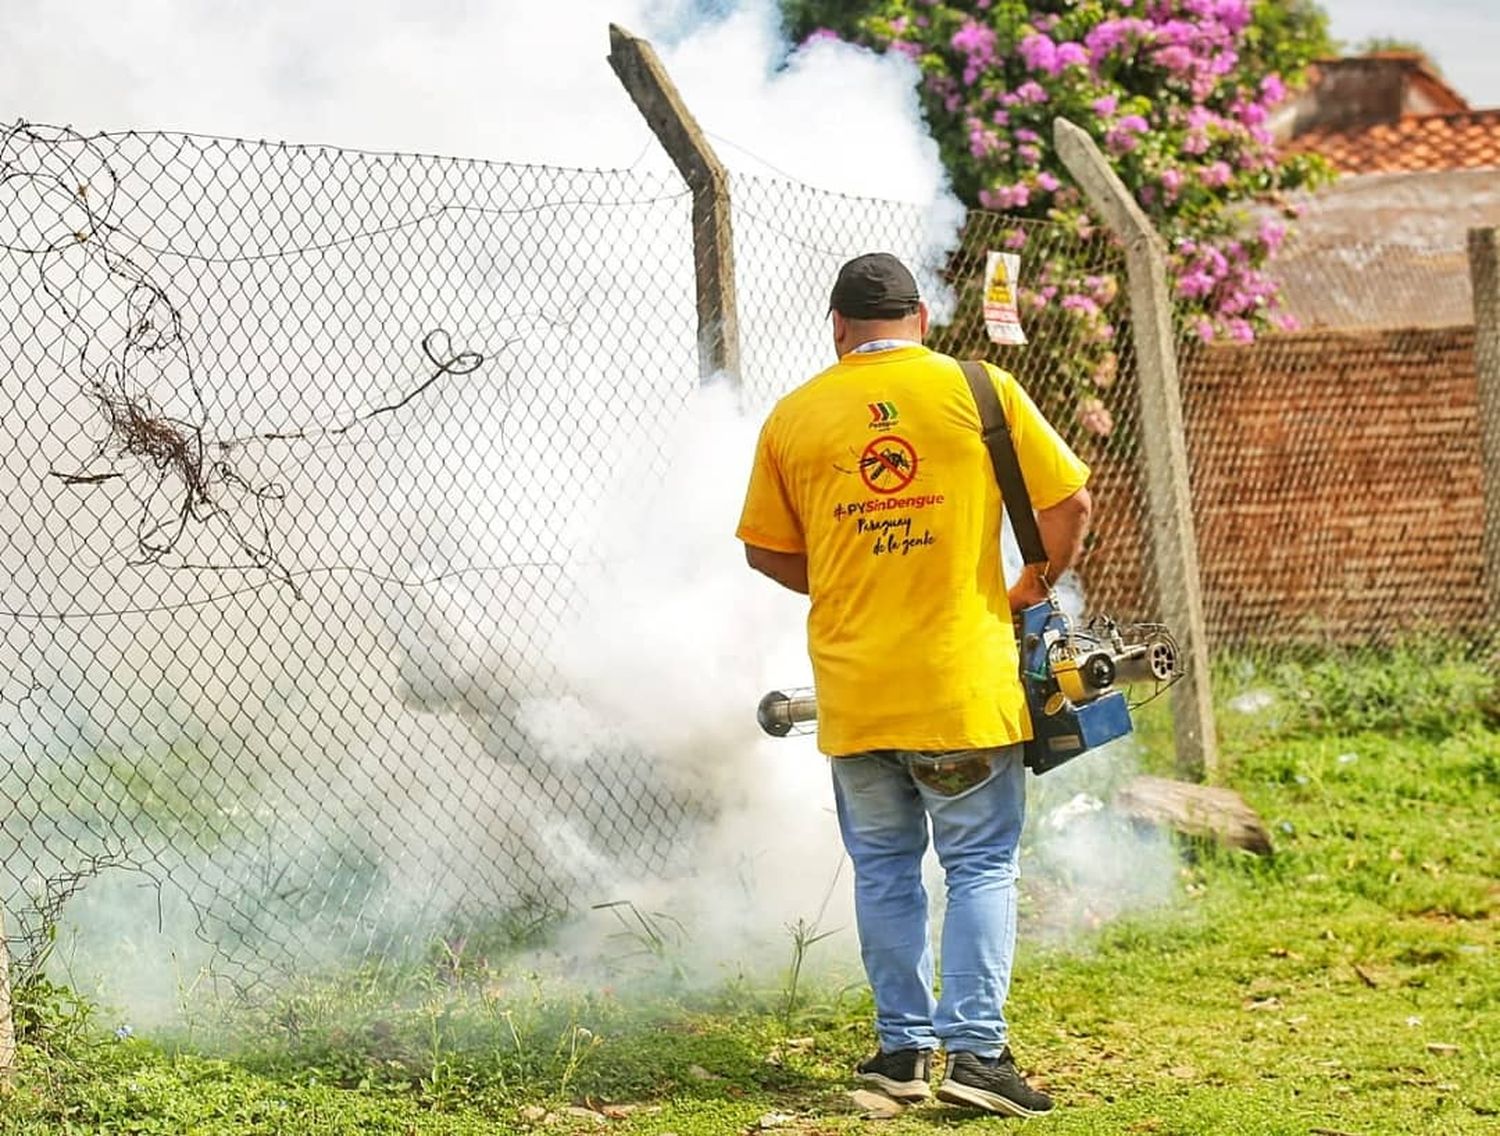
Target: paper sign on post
(1002, 318)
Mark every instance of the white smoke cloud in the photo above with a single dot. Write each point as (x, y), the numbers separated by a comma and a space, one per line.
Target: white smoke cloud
(423, 738)
(509, 82)
(411, 740)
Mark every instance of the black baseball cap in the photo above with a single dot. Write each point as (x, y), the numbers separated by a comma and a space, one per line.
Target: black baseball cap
(874, 286)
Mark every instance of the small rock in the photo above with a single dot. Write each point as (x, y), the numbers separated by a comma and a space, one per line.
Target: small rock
(533, 1114)
(1414, 1021)
(1441, 1047)
(699, 1073)
(1347, 758)
(875, 1106)
(585, 1114)
(774, 1120)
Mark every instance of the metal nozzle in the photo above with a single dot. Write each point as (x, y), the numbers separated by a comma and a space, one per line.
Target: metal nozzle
(1152, 661)
(780, 712)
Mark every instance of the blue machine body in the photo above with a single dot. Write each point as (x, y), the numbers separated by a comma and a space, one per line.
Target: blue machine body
(1061, 729)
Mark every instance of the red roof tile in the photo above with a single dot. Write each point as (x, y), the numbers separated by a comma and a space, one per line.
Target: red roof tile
(1418, 143)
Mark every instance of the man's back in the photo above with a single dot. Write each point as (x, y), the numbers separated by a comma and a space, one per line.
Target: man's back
(873, 494)
(877, 471)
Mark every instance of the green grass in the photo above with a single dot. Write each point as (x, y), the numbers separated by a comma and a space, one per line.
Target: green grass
(1348, 984)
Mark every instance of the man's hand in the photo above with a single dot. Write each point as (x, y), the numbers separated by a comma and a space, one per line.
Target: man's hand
(789, 569)
(1062, 529)
(1030, 589)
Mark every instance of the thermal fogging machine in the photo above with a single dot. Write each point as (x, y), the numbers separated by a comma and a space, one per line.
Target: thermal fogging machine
(1074, 678)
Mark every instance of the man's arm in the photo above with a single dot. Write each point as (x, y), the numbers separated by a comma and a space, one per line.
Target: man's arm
(789, 569)
(1062, 527)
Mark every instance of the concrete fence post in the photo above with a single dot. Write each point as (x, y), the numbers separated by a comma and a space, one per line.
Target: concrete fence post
(640, 70)
(7, 1014)
(1484, 272)
(1173, 542)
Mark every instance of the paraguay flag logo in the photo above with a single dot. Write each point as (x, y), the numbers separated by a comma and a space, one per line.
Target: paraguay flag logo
(883, 414)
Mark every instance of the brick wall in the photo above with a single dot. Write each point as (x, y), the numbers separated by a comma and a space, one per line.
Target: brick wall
(1337, 484)
(1336, 489)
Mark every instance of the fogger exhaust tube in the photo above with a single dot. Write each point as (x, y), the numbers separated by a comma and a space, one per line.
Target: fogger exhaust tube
(780, 712)
(1155, 661)
(1152, 661)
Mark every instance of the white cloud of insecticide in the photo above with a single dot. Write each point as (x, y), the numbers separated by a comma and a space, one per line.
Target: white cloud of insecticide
(507, 652)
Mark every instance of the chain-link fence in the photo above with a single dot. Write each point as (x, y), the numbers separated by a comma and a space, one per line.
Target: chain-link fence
(296, 443)
(1337, 472)
(1076, 363)
(309, 454)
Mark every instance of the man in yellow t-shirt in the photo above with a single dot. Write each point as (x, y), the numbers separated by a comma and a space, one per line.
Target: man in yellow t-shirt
(872, 492)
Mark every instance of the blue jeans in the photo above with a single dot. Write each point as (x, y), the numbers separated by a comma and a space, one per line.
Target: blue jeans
(885, 800)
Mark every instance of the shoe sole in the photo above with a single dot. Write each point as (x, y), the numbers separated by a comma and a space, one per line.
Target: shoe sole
(906, 1092)
(952, 1093)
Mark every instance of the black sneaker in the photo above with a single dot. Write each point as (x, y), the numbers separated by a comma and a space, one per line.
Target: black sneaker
(902, 1075)
(992, 1084)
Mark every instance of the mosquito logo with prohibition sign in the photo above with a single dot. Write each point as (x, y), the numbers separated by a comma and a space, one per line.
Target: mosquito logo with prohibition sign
(888, 464)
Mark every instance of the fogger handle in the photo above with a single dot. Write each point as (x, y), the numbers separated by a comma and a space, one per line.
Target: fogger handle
(779, 713)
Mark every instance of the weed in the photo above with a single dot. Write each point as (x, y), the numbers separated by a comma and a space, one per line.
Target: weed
(1428, 687)
(1351, 983)
(655, 936)
(1486, 769)
(575, 1045)
(50, 1017)
(804, 936)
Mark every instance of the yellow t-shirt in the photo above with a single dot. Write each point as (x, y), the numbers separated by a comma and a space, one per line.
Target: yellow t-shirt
(876, 469)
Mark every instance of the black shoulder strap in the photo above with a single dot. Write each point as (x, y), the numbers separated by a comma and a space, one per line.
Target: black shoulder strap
(1007, 467)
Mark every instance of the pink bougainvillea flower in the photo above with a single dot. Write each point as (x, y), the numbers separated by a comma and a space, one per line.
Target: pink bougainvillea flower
(1095, 417)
